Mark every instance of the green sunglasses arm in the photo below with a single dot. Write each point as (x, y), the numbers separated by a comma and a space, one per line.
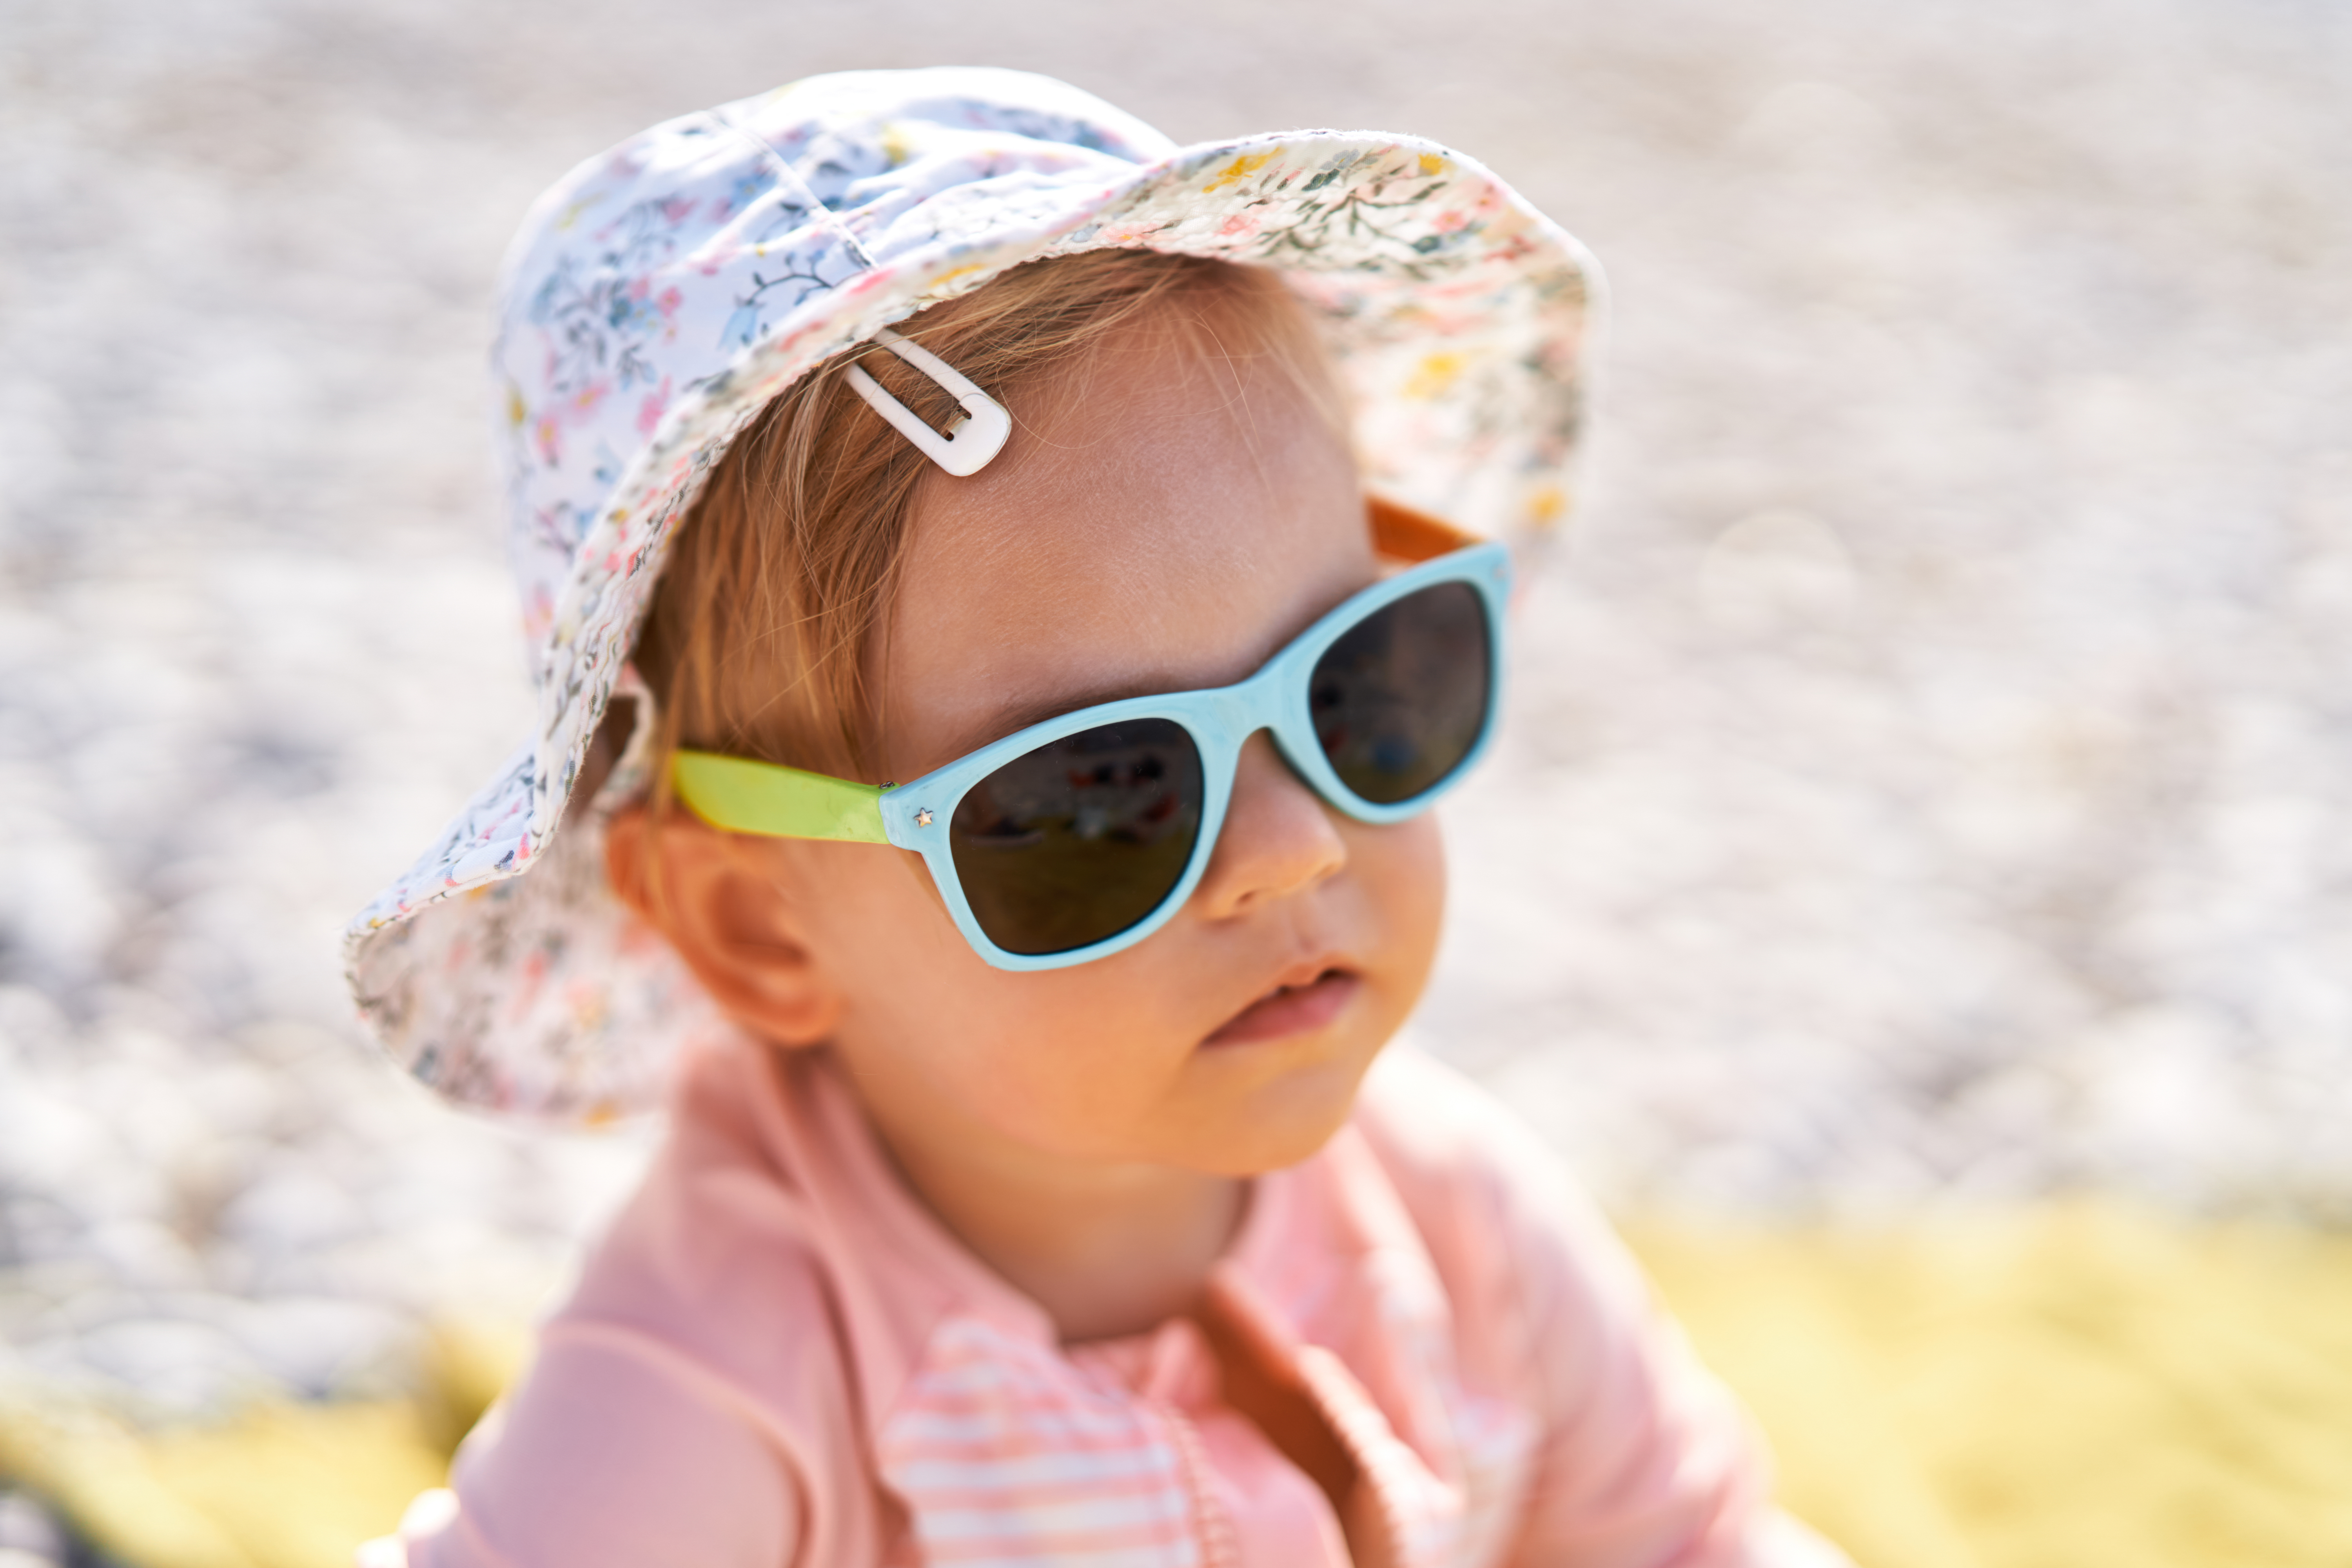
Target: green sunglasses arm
(745, 796)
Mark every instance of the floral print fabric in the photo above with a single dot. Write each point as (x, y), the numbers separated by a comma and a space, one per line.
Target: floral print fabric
(661, 294)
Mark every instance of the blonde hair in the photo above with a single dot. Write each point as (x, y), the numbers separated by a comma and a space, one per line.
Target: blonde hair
(757, 642)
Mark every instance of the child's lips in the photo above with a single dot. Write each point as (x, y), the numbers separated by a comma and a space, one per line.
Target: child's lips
(1298, 1009)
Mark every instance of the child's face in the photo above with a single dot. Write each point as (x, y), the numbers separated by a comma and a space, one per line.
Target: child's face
(1162, 524)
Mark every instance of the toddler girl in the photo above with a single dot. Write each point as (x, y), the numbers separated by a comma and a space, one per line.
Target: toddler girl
(1032, 1193)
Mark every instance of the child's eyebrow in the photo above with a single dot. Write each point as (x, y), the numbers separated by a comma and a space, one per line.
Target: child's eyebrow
(1015, 717)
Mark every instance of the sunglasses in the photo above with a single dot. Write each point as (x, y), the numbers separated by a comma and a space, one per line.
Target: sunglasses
(1074, 838)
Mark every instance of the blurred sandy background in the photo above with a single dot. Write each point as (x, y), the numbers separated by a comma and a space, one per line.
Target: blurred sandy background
(1925, 783)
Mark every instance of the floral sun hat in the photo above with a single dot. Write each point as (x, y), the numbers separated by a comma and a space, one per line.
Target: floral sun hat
(661, 294)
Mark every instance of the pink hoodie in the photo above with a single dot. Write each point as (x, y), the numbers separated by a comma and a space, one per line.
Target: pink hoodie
(777, 1356)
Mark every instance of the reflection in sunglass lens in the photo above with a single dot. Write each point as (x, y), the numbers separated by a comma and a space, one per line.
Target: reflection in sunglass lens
(1399, 701)
(1079, 839)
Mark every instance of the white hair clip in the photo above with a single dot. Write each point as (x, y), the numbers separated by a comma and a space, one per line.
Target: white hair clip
(971, 442)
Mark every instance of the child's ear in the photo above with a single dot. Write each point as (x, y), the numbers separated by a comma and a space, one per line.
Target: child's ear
(714, 897)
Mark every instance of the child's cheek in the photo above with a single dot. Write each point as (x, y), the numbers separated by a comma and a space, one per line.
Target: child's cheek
(1402, 868)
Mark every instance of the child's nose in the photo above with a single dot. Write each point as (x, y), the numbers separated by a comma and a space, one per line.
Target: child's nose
(1277, 837)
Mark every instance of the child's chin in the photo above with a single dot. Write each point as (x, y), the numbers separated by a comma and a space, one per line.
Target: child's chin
(1284, 1122)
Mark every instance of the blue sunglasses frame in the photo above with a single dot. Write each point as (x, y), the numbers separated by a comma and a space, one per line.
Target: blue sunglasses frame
(741, 796)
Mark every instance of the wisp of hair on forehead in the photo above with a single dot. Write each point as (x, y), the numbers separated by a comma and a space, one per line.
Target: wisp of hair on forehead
(758, 641)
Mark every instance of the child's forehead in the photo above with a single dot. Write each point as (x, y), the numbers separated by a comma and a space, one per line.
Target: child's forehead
(1163, 523)
(1158, 444)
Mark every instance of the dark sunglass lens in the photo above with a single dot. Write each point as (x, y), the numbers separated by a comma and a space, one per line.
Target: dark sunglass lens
(1079, 839)
(1400, 700)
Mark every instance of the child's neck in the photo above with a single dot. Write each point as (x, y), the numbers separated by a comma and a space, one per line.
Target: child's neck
(1105, 1249)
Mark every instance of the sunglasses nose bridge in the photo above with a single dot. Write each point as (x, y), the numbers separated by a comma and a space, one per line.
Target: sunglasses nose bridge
(1259, 704)
(1254, 704)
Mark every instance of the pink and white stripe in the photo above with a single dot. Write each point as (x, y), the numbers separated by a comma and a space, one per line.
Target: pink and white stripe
(1004, 1457)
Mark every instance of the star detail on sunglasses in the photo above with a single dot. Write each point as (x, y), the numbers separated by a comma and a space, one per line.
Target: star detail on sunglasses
(923, 817)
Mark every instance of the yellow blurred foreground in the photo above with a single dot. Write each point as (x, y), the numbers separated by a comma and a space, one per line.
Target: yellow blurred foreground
(2070, 1385)
(2075, 1385)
